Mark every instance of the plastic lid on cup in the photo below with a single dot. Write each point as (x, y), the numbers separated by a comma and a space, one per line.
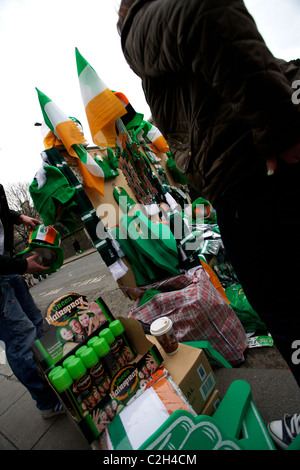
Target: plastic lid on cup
(160, 326)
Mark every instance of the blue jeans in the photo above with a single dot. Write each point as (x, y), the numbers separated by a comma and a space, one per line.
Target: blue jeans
(260, 228)
(20, 325)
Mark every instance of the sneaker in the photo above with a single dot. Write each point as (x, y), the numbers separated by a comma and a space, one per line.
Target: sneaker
(284, 431)
(52, 412)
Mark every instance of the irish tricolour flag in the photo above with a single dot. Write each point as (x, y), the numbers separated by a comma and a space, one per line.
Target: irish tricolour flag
(131, 119)
(154, 135)
(60, 124)
(66, 130)
(102, 107)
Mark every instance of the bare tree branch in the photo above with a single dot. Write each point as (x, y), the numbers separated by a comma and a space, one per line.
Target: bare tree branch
(19, 199)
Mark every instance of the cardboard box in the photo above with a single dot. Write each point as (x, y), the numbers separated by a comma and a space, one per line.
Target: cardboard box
(212, 404)
(122, 387)
(191, 371)
(60, 317)
(149, 409)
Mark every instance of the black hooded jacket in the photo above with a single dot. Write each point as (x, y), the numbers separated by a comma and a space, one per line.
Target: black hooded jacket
(216, 92)
(8, 264)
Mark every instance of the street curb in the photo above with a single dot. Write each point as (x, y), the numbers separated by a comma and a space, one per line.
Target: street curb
(85, 253)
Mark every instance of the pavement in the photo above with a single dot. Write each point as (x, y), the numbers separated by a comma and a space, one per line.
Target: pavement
(274, 391)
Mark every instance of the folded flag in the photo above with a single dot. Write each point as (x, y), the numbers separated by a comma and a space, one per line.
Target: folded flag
(154, 135)
(131, 118)
(102, 107)
(93, 174)
(65, 129)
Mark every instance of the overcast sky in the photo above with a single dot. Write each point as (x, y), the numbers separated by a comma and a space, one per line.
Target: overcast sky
(38, 40)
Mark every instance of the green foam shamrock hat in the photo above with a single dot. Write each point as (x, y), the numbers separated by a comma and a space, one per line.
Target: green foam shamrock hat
(45, 241)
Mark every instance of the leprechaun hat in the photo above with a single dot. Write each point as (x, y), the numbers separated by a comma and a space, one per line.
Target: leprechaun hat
(45, 241)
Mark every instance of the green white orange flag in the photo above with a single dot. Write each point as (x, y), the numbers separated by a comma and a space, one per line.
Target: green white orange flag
(50, 139)
(60, 124)
(131, 119)
(102, 107)
(154, 135)
(66, 130)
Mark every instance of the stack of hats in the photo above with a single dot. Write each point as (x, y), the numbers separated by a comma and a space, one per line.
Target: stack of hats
(151, 249)
(54, 198)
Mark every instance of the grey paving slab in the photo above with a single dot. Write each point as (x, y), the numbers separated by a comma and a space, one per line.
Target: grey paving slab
(22, 424)
(274, 392)
(5, 369)
(5, 444)
(10, 391)
(63, 435)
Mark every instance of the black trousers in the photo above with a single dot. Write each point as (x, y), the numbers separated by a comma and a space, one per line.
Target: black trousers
(259, 223)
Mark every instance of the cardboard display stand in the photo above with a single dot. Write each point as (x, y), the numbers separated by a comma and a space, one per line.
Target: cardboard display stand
(126, 380)
(66, 319)
(195, 384)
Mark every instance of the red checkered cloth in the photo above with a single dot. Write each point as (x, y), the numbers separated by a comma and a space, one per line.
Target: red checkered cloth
(198, 311)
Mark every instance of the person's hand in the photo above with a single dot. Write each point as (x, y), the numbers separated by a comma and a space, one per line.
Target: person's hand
(29, 222)
(33, 267)
(289, 156)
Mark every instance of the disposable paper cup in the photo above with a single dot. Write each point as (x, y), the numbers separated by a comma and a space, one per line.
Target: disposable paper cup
(162, 329)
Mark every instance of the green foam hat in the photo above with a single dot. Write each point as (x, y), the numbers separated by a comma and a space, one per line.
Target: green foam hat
(150, 248)
(45, 241)
(138, 266)
(54, 199)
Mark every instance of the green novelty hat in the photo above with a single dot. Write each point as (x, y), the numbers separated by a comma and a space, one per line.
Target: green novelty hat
(54, 198)
(45, 241)
(150, 247)
(137, 264)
